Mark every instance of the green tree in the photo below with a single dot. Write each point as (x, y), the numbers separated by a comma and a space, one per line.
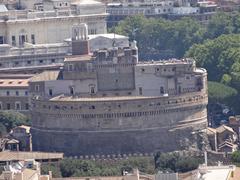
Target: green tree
(51, 167)
(11, 119)
(174, 162)
(218, 55)
(236, 157)
(3, 130)
(220, 93)
(221, 23)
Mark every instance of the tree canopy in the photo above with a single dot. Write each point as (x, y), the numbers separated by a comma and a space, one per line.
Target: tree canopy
(78, 167)
(175, 37)
(11, 119)
(220, 56)
(220, 93)
(156, 35)
(174, 162)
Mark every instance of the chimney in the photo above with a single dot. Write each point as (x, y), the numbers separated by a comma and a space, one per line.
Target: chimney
(80, 43)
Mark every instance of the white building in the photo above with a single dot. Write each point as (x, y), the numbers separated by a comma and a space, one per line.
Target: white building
(52, 25)
(34, 36)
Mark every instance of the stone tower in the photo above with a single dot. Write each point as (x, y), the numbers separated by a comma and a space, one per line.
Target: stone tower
(80, 44)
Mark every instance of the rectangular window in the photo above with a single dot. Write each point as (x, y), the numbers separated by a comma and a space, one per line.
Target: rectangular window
(71, 90)
(1, 40)
(17, 106)
(26, 93)
(8, 93)
(33, 39)
(140, 90)
(70, 67)
(161, 90)
(8, 106)
(37, 88)
(13, 41)
(17, 93)
(92, 90)
(26, 106)
(1, 107)
(50, 92)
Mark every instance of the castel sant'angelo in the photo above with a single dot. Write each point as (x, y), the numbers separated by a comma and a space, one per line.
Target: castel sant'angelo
(108, 102)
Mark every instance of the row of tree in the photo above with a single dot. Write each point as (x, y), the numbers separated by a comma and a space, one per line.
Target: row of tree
(171, 162)
(77, 167)
(160, 35)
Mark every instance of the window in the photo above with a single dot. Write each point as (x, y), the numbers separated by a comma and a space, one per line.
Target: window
(26, 93)
(8, 106)
(161, 90)
(92, 107)
(13, 41)
(142, 70)
(17, 93)
(140, 90)
(33, 38)
(17, 106)
(40, 61)
(37, 88)
(26, 106)
(29, 62)
(50, 92)
(71, 90)
(92, 89)
(53, 60)
(1, 107)
(8, 93)
(70, 67)
(1, 40)
(22, 39)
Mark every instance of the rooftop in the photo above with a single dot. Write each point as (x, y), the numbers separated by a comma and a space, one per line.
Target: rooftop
(108, 35)
(87, 2)
(78, 58)
(27, 128)
(166, 62)
(46, 76)
(19, 83)
(18, 156)
(223, 128)
(108, 98)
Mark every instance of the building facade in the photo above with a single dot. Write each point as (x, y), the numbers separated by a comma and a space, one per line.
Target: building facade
(33, 32)
(14, 93)
(109, 103)
(201, 11)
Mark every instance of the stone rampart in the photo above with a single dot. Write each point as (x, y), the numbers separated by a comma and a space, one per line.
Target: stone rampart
(135, 125)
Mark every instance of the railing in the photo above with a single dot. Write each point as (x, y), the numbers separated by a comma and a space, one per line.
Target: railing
(23, 14)
(36, 50)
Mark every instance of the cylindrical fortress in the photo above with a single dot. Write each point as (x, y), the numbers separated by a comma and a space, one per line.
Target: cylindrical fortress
(118, 125)
(109, 103)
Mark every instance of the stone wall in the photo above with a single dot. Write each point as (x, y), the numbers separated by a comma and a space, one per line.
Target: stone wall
(112, 127)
